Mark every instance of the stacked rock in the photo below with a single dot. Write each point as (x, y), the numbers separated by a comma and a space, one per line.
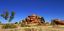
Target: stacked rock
(34, 19)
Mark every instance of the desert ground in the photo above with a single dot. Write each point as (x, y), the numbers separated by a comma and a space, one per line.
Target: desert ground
(36, 28)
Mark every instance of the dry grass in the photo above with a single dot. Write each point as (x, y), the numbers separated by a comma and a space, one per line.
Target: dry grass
(36, 28)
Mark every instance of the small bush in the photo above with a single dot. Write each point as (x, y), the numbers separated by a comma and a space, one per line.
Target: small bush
(6, 26)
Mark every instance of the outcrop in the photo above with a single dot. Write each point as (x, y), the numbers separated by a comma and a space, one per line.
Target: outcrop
(58, 22)
(34, 19)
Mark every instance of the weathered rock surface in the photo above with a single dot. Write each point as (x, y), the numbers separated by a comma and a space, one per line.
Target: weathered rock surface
(33, 19)
(58, 22)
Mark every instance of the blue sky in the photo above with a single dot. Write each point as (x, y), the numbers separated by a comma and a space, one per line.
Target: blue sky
(49, 9)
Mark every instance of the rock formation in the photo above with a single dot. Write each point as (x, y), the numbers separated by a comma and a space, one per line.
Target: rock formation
(33, 19)
(58, 22)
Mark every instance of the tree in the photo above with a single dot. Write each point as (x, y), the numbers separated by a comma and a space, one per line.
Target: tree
(0, 22)
(12, 16)
(16, 22)
(7, 16)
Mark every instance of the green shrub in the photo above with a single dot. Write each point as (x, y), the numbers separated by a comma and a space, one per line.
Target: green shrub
(6, 26)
